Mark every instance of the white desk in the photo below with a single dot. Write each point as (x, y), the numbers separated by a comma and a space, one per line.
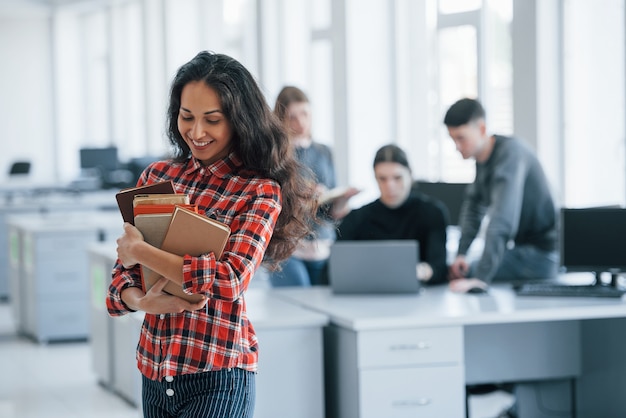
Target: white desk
(407, 356)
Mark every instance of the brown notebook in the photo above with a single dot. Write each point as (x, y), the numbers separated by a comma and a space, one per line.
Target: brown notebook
(153, 226)
(125, 197)
(193, 234)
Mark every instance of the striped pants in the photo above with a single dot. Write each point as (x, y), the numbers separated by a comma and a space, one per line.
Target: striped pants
(220, 394)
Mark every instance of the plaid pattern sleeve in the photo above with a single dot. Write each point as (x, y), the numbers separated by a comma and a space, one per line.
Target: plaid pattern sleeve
(219, 336)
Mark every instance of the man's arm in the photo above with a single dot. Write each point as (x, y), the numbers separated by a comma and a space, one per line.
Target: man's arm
(507, 191)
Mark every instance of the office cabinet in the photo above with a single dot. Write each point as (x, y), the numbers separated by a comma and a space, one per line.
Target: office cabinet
(53, 293)
(126, 376)
(402, 347)
(395, 373)
(56, 288)
(42, 202)
(101, 258)
(411, 392)
(8, 247)
(290, 381)
(113, 340)
(15, 283)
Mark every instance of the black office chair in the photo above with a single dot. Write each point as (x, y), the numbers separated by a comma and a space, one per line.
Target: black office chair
(19, 167)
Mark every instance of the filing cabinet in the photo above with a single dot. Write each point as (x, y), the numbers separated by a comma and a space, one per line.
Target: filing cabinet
(413, 372)
(50, 271)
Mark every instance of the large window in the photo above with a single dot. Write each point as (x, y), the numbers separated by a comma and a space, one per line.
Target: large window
(594, 110)
(115, 64)
(473, 59)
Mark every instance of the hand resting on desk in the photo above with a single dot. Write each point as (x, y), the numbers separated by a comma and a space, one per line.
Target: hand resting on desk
(468, 286)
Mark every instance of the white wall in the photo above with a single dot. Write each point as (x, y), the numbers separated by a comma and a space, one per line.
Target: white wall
(370, 91)
(26, 108)
(594, 132)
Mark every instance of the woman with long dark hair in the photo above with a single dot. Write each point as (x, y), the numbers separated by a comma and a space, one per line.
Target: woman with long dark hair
(233, 159)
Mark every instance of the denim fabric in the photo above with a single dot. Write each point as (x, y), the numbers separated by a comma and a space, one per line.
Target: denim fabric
(526, 262)
(297, 272)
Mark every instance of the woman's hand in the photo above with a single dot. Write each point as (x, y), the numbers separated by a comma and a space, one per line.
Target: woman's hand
(340, 207)
(156, 301)
(126, 245)
(424, 271)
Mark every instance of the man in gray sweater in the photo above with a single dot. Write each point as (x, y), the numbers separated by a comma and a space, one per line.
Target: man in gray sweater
(511, 191)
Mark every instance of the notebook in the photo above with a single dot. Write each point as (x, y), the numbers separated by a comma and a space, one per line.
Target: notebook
(188, 233)
(374, 267)
(125, 197)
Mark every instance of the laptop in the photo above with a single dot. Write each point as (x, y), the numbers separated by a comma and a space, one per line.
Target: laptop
(374, 267)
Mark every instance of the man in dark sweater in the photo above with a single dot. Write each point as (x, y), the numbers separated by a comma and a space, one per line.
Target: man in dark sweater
(511, 191)
(401, 215)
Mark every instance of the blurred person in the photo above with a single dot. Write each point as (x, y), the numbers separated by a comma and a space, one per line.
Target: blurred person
(512, 192)
(308, 264)
(400, 214)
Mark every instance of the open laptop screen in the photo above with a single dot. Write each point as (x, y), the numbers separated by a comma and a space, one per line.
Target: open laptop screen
(374, 267)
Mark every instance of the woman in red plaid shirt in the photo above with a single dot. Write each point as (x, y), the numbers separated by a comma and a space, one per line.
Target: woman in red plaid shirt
(232, 157)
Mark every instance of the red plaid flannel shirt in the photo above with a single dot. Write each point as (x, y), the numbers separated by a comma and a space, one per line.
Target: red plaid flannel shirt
(219, 336)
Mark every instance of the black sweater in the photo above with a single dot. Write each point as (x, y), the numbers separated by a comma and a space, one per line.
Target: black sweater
(418, 218)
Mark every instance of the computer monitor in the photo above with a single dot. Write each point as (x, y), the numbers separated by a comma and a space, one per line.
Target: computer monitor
(593, 240)
(103, 159)
(450, 194)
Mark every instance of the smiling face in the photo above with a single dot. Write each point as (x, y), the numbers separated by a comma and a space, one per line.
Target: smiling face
(202, 124)
(394, 181)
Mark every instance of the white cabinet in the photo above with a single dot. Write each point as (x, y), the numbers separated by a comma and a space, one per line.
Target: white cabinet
(42, 202)
(56, 284)
(113, 340)
(126, 376)
(412, 372)
(51, 272)
(101, 260)
(408, 392)
(403, 347)
(16, 284)
(290, 381)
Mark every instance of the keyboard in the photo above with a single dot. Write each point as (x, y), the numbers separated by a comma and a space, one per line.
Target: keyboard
(559, 289)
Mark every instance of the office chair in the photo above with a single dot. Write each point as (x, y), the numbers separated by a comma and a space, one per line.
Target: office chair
(19, 167)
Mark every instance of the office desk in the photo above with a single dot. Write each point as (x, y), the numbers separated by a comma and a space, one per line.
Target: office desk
(408, 356)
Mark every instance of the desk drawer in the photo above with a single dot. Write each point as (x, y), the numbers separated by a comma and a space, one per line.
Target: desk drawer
(432, 392)
(412, 346)
(59, 277)
(62, 318)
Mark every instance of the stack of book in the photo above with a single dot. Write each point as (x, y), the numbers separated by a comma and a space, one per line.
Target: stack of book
(170, 222)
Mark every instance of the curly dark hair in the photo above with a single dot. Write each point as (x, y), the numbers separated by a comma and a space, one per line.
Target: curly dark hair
(258, 139)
